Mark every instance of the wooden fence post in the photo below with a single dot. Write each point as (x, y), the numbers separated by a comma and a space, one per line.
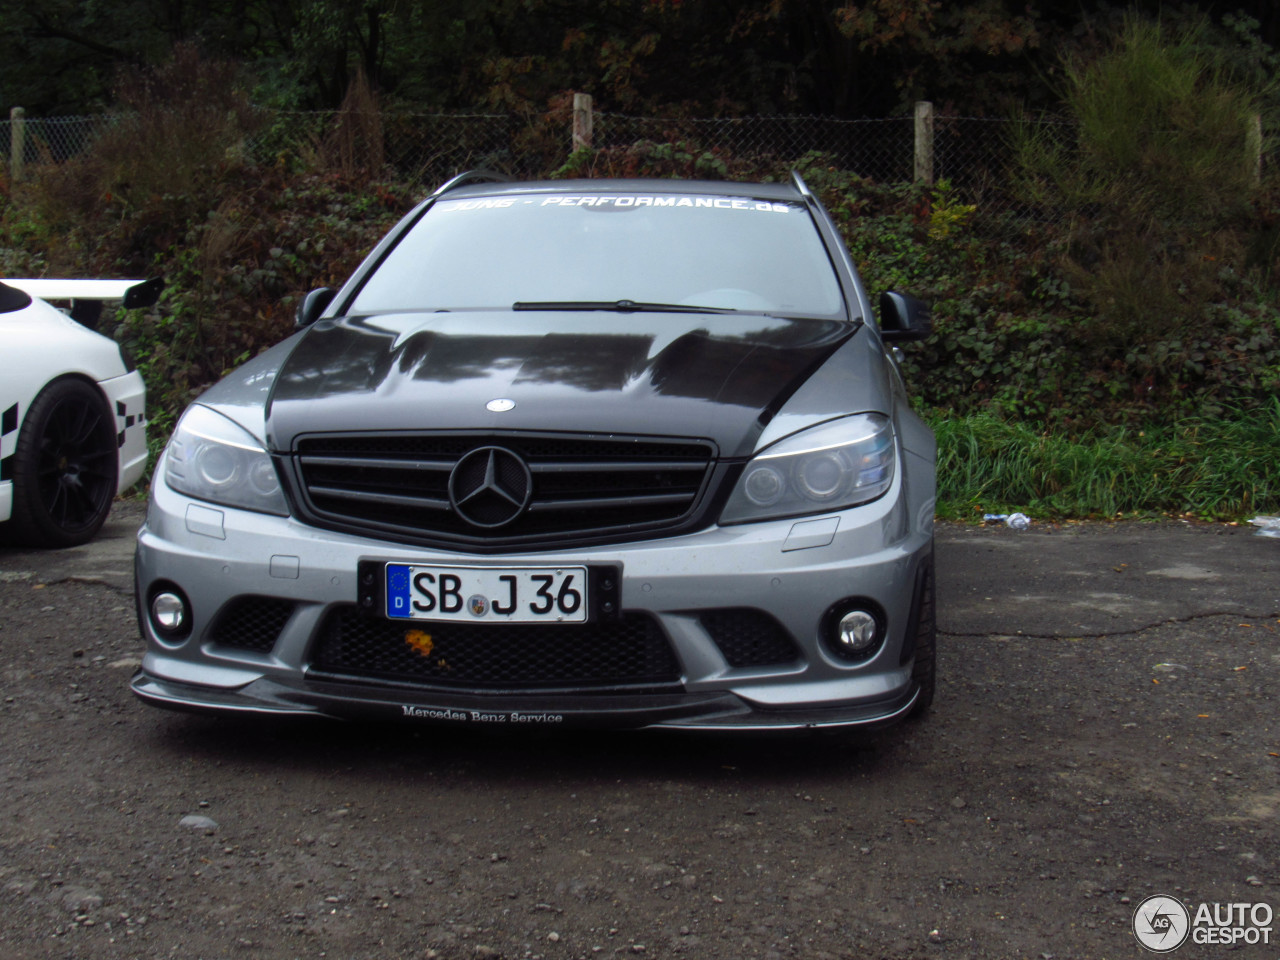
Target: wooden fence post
(924, 142)
(17, 142)
(581, 122)
(1253, 137)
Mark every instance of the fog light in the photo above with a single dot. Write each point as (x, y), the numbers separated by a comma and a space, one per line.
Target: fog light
(858, 632)
(854, 629)
(169, 613)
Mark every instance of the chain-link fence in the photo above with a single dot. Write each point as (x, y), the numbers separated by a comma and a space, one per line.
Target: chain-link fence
(972, 153)
(432, 146)
(426, 149)
(418, 147)
(879, 149)
(49, 139)
(421, 148)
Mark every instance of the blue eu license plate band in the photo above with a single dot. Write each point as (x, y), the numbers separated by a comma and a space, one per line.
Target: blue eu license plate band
(386, 591)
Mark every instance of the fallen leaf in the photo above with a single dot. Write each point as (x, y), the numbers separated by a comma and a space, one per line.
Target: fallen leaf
(420, 641)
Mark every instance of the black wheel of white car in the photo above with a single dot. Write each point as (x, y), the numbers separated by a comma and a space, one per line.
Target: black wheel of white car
(64, 468)
(924, 672)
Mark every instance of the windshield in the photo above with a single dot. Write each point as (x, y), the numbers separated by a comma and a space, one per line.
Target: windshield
(602, 250)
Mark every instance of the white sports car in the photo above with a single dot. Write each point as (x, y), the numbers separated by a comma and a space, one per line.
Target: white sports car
(72, 424)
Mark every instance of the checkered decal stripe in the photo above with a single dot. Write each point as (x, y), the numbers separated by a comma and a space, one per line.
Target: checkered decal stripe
(8, 438)
(122, 411)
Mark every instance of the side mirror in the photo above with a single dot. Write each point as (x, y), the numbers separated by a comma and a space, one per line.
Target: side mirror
(312, 305)
(903, 318)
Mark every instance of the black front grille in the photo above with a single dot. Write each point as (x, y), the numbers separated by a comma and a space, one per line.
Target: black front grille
(396, 486)
(749, 638)
(250, 623)
(629, 651)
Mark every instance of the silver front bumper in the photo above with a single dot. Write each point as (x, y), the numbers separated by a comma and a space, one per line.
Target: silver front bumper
(793, 570)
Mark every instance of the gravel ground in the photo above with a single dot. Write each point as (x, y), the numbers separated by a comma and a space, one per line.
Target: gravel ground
(1058, 781)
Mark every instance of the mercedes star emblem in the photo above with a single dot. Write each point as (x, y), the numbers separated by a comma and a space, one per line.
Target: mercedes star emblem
(490, 487)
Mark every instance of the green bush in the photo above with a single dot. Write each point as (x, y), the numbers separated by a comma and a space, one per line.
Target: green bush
(177, 147)
(1169, 240)
(234, 278)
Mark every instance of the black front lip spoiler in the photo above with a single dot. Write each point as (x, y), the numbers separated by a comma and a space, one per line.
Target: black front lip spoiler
(685, 711)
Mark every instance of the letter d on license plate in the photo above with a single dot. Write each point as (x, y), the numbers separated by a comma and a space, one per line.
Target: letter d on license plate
(417, 591)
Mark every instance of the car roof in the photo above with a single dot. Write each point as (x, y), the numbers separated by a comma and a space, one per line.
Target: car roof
(719, 188)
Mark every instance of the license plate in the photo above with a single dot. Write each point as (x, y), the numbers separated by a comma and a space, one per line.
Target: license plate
(417, 591)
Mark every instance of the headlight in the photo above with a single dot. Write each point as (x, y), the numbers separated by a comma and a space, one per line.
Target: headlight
(832, 466)
(215, 459)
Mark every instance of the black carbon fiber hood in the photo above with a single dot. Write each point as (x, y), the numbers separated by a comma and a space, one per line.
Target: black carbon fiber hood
(716, 376)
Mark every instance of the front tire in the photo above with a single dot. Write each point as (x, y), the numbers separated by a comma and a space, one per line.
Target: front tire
(65, 467)
(924, 671)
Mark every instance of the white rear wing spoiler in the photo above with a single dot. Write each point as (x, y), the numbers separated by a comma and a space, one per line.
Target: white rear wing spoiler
(86, 296)
(134, 293)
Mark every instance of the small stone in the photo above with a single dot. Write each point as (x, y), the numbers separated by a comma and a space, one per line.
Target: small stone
(196, 822)
(78, 900)
(553, 937)
(958, 803)
(1253, 881)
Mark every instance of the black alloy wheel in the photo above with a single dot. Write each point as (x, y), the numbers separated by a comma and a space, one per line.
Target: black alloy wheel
(65, 467)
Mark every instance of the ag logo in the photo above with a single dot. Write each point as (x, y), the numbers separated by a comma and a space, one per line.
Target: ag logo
(1161, 923)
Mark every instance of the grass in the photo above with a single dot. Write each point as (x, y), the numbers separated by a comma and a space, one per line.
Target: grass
(1213, 469)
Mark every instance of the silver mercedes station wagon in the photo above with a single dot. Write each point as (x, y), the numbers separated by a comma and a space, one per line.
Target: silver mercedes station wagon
(617, 453)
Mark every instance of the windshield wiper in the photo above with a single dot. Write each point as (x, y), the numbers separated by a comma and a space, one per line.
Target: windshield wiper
(617, 306)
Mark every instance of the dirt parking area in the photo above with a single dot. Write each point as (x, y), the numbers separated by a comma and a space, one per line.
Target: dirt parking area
(1105, 731)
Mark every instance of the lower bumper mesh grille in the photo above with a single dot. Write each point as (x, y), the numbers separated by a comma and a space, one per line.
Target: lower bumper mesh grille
(632, 650)
(250, 623)
(749, 638)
